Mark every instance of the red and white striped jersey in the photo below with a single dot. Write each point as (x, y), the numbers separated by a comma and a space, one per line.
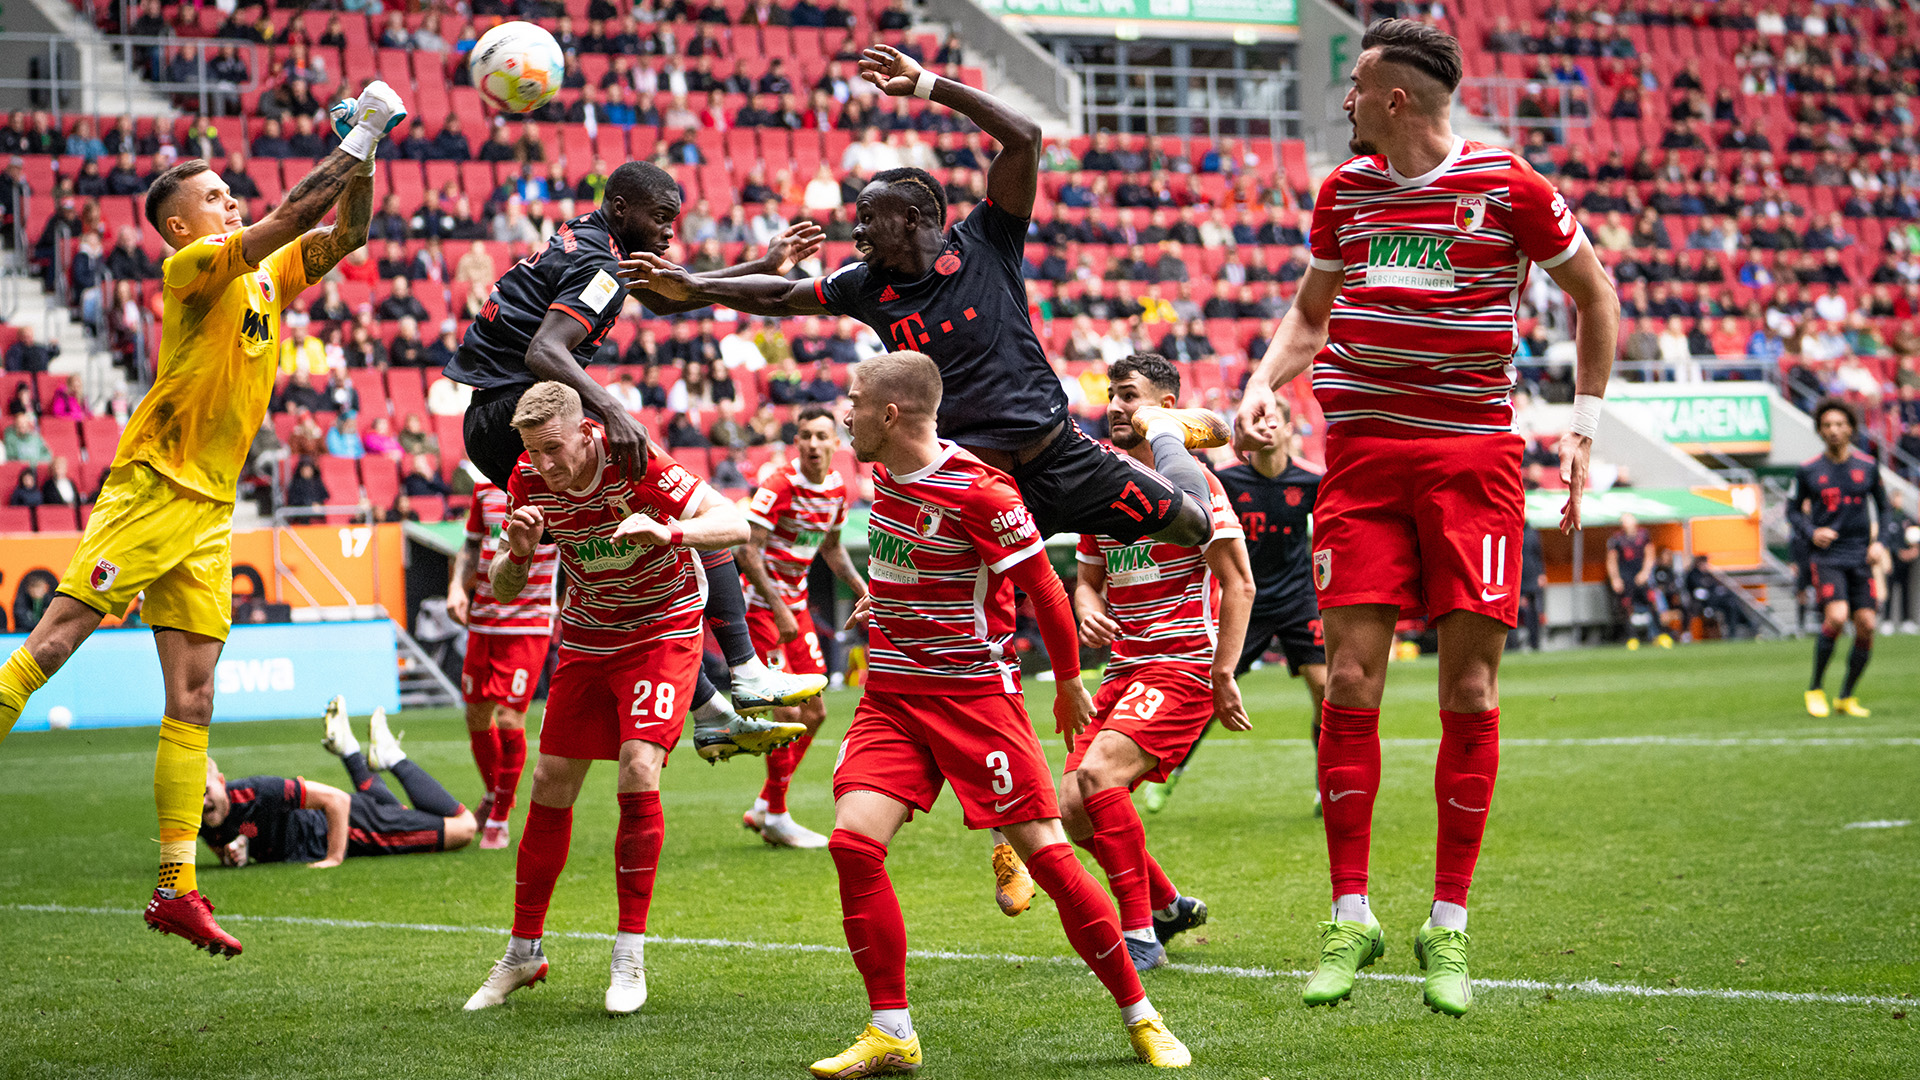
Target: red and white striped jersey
(799, 514)
(620, 592)
(1422, 335)
(940, 540)
(1162, 595)
(530, 613)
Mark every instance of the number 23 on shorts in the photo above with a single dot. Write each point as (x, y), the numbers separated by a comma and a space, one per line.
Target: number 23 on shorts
(1141, 700)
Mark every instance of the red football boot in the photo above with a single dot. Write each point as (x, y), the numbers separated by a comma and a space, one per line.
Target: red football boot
(190, 916)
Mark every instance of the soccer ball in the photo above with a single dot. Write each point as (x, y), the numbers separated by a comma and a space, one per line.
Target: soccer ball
(59, 718)
(516, 67)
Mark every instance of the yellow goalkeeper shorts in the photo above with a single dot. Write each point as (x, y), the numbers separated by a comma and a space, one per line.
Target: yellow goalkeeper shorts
(148, 536)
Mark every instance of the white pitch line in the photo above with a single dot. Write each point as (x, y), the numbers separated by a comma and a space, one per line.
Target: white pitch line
(1590, 986)
(1883, 824)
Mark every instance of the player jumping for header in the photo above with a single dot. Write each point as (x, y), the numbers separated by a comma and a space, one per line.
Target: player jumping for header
(163, 525)
(1829, 512)
(1421, 245)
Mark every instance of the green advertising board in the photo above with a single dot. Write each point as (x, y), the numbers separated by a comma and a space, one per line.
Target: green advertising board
(1652, 506)
(1249, 12)
(1730, 418)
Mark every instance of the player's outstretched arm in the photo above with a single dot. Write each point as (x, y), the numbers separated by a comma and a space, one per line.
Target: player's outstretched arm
(378, 109)
(1302, 333)
(835, 554)
(716, 524)
(1596, 333)
(796, 243)
(550, 357)
(752, 557)
(336, 804)
(462, 579)
(755, 294)
(1227, 558)
(1014, 177)
(328, 244)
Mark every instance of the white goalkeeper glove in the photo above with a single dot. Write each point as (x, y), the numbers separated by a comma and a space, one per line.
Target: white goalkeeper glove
(361, 122)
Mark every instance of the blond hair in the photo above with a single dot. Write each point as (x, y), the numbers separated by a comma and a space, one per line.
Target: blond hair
(546, 402)
(910, 380)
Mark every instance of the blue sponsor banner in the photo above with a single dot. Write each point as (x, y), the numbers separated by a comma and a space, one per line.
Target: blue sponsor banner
(265, 673)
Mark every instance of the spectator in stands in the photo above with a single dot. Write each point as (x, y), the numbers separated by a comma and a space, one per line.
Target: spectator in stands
(125, 178)
(450, 144)
(388, 223)
(23, 441)
(1170, 266)
(653, 388)
(498, 147)
(427, 38)
(300, 351)
(730, 474)
(332, 307)
(343, 438)
(24, 400)
(625, 391)
(727, 430)
(822, 388)
(682, 434)
(406, 349)
(306, 488)
(440, 353)
(306, 141)
(27, 353)
(26, 490)
(58, 489)
(68, 402)
(271, 142)
(401, 510)
(429, 264)
(423, 478)
(378, 439)
(363, 350)
(401, 303)
(415, 439)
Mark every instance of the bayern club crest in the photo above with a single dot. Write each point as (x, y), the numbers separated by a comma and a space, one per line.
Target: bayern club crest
(1293, 496)
(1469, 213)
(928, 521)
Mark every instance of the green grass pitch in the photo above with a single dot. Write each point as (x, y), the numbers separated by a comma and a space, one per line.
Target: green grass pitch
(1665, 821)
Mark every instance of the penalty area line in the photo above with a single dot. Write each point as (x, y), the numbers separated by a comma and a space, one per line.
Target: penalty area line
(1590, 986)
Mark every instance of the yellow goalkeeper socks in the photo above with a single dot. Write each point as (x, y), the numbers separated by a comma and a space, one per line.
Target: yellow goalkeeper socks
(19, 678)
(179, 791)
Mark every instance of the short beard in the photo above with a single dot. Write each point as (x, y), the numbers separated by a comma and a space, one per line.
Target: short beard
(1132, 439)
(1358, 145)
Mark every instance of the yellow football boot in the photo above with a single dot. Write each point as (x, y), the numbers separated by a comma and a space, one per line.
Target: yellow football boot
(1156, 1046)
(1013, 887)
(875, 1053)
(1850, 706)
(1201, 429)
(1817, 704)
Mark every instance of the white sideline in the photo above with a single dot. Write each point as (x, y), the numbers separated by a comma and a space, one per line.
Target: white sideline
(1590, 986)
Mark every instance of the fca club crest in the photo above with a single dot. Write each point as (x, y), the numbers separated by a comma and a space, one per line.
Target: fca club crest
(1293, 496)
(266, 286)
(103, 574)
(928, 523)
(1322, 569)
(1469, 213)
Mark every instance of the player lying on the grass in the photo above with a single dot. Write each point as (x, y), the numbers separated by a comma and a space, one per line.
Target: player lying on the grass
(1829, 510)
(544, 320)
(794, 515)
(1420, 244)
(949, 540)
(630, 643)
(1273, 497)
(1171, 673)
(275, 819)
(506, 652)
(163, 524)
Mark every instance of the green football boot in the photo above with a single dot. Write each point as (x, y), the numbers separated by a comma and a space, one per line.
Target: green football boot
(1442, 954)
(1345, 948)
(1155, 796)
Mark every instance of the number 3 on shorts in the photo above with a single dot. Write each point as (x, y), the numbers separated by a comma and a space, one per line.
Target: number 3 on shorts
(662, 698)
(1002, 776)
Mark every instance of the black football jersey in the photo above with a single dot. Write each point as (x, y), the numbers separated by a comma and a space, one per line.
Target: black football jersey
(266, 810)
(1274, 511)
(578, 273)
(1829, 494)
(969, 313)
(1632, 553)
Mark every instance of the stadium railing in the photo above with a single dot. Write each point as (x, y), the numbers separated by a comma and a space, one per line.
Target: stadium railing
(133, 52)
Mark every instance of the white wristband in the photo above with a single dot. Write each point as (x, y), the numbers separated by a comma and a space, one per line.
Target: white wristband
(1586, 414)
(360, 142)
(924, 88)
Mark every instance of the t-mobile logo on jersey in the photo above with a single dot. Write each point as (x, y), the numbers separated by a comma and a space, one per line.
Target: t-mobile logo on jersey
(904, 334)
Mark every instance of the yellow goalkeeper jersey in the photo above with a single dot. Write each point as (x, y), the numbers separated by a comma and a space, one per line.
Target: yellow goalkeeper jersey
(219, 353)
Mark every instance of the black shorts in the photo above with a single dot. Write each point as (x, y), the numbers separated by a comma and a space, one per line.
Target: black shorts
(493, 443)
(1079, 485)
(1297, 634)
(387, 828)
(1851, 581)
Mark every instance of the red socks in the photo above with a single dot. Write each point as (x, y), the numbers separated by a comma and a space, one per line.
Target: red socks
(1349, 780)
(870, 914)
(1463, 788)
(781, 764)
(506, 776)
(486, 754)
(1160, 891)
(1120, 844)
(543, 852)
(636, 854)
(1087, 918)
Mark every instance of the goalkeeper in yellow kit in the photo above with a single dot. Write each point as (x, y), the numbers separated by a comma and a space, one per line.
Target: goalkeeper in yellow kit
(163, 524)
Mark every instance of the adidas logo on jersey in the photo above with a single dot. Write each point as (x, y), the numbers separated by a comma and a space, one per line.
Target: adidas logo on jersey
(888, 296)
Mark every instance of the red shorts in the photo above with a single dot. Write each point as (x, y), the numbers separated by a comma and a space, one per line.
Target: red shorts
(1430, 525)
(503, 668)
(904, 746)
(801, 656)
(596, 702)
(1160, 709)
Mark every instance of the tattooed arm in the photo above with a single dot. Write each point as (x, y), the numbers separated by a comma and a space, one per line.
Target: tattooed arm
(305, 205)
(327, 245)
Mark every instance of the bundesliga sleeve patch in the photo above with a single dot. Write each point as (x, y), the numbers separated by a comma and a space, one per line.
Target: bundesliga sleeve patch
(600, 291)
